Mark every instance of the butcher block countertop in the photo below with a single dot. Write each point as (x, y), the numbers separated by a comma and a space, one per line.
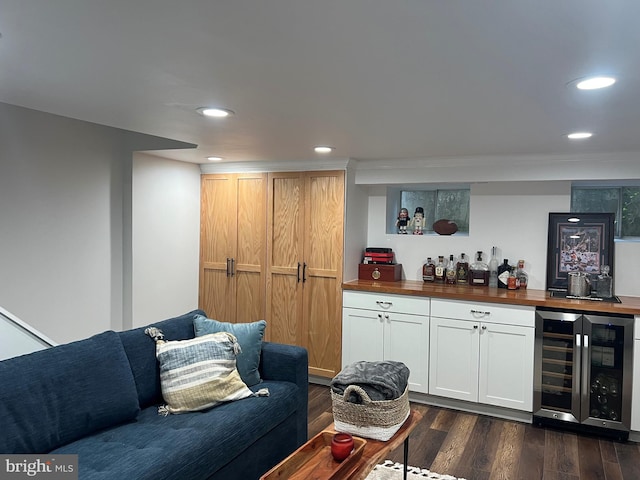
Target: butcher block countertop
(535, 298)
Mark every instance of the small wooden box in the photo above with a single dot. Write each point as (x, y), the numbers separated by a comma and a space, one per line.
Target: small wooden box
(380, 272)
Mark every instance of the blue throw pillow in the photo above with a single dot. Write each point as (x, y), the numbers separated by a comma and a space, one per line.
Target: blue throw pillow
(249, 336)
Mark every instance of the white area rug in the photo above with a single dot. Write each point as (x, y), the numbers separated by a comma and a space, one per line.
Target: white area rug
(393, 471)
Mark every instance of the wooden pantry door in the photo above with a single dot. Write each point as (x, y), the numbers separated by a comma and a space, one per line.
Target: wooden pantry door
(285, 230)
(232, 247)
(323, 256)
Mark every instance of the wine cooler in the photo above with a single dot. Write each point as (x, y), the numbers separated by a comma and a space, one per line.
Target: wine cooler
(583, 371)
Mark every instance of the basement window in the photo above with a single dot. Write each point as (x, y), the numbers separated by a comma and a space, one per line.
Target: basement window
(437, 202)
(623, 200)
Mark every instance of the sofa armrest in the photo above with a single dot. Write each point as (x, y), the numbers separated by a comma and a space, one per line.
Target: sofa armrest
(289, 363)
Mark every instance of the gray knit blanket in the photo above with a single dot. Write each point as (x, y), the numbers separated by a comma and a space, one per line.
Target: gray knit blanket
(384, 380)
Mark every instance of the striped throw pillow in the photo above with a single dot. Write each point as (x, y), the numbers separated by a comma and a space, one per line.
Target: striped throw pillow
(199, 373)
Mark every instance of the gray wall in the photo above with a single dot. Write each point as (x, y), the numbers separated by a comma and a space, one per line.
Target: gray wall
(65, 222)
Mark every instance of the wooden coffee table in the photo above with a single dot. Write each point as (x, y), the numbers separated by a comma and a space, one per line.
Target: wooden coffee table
(374, 451)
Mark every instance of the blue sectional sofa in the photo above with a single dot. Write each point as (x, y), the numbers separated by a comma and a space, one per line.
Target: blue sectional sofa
(98, 398)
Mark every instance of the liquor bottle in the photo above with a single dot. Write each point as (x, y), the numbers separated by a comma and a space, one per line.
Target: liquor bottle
(493, 268)
(479, 271)
(504, 271)
(429, 271)
(440, 270)
(523, 277)
(462, 269)
(451, 271)
(512, 281)
(604, 287)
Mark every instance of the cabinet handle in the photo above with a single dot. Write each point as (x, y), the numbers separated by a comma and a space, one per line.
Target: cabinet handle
(384, 304)
(298, 273)
(479, 312)
(380, 316)
(304, 272)
(233, 267)
(228, 269)
(475, 327)
(484, 327)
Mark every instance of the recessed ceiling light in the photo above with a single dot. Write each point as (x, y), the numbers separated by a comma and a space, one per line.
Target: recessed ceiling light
(214, 159)
(594, 83)
(215, 112)
(323, 149)
(579, 135)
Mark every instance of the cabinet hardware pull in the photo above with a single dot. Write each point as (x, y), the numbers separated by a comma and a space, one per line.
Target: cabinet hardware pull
(479, 312)
(233, 267)
(380, 316)
(386, 317)
(475, 327)
(304, 272)
(228, 270)
(384, 304)
(298, 273)
(484, 327)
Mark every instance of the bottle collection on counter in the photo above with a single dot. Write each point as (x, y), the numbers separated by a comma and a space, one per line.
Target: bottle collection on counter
(458, 271)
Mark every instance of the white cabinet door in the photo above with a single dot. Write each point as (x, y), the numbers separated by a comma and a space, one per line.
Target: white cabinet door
(506, 366)
(373, 336)
(453, 358)
(362, 335)
(406, 340)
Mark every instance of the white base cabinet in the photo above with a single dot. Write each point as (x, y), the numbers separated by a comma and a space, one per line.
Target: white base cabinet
(387, 327)
(482, 353)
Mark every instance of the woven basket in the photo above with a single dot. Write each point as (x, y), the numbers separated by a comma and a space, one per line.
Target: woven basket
(379, 420)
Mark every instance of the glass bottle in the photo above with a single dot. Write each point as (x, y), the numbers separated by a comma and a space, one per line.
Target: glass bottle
(429, 271)
(493, 268)
(604, 286)
(504, 271)
(462, 269)
(479, 271)
(451, 271)
(440, 270)
(512, 281)
(523, 277)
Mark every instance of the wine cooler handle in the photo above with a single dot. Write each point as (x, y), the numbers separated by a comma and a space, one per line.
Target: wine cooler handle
(578, 340)
(585, 367)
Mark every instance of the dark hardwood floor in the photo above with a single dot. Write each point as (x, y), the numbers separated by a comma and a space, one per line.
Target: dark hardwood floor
(478, 447)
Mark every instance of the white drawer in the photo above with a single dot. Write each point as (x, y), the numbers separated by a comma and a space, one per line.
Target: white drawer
(386, 302)
(519, 315)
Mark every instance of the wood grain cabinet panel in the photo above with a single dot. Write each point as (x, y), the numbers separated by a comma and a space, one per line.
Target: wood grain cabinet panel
(305, 236)
(233, 246)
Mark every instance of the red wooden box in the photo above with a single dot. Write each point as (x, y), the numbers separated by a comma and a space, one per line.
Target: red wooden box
(377, 271)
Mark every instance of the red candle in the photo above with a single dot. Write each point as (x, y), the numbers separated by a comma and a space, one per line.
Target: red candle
(341, 446)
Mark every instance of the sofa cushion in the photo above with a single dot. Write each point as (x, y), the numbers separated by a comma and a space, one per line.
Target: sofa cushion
(199, 373)
(249, 337)
(190, 446)
(141, 351)
(56, 396)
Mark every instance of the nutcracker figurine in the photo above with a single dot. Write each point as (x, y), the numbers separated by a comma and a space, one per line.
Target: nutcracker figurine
(403, 221)
(417, 222)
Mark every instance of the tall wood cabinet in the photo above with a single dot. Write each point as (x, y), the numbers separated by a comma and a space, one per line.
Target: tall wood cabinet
(233, 246)
(305, 236)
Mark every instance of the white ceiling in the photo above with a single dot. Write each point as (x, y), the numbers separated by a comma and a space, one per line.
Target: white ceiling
(376, 79)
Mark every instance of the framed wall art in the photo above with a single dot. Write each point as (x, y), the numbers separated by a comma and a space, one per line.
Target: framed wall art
(578, 242)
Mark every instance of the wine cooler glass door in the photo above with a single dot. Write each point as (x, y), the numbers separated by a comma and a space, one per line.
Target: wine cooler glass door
(558, 363)
(606, 370)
